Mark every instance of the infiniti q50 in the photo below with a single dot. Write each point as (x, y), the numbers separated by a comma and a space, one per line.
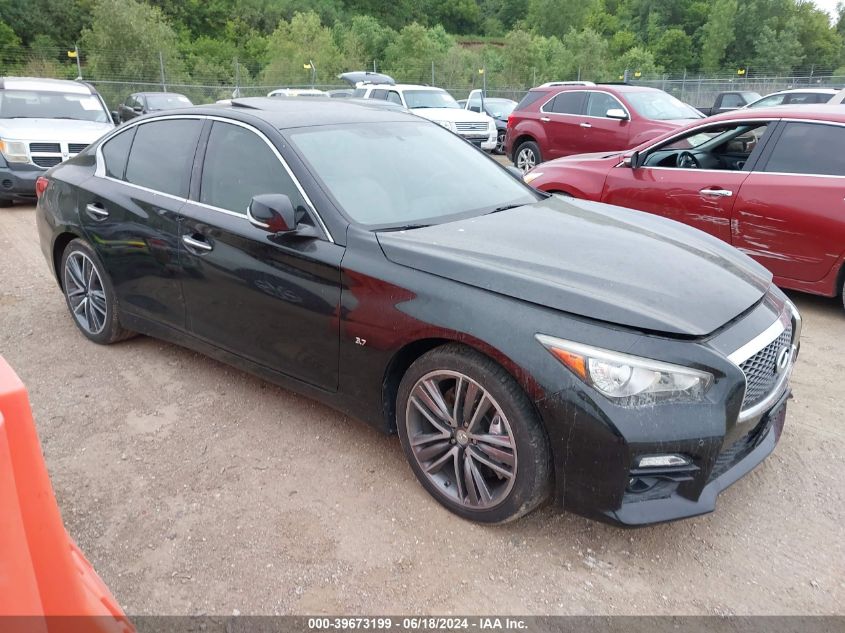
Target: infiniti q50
(523, 346)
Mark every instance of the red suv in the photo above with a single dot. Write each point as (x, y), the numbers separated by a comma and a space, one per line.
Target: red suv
(551, 122)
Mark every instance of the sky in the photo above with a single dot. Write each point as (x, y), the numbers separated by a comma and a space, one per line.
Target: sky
(827, 5)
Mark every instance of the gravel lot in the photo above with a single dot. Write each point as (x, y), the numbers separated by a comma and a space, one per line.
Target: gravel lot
(195, 488)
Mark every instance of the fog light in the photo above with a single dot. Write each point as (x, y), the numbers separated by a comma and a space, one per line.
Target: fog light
(662, 461)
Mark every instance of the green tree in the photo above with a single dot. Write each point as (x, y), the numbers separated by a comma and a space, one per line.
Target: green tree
(558, 17)
(778, 51)
(409, 57)
(674, 50)
(585, 56)
(293, 44)
(125, 40)
(10, 44)
(362, 41)
(718, 34)
(636, 60)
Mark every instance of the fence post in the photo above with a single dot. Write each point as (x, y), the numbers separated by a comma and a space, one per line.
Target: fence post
(432, 72)
(161, 65)
(78, 63)
(375, 70)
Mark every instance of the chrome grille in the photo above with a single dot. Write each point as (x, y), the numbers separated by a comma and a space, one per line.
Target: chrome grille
(471, 127)
(46, 161)
(761, 369)
(47, 148)
(75, 148)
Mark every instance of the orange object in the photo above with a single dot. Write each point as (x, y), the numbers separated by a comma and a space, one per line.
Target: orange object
(43, 574)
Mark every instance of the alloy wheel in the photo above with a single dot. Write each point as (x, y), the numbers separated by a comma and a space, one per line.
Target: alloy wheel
(526, 159)
(500, 142)
(461, 439)
(85, 293)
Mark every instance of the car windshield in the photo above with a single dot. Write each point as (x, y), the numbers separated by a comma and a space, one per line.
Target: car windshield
(430, 99)
(36, 104)
(398, 174)
(661, 106)
(499, 108)
(168, 102)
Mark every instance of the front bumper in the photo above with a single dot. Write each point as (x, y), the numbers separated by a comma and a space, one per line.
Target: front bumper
(18, 183)
(597, 444)
(484, 142)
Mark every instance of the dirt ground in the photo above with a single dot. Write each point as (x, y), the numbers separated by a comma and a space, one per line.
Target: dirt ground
(194, 488)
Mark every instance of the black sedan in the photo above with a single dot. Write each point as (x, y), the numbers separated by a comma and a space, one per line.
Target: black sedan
(522, 345)
(146, 102)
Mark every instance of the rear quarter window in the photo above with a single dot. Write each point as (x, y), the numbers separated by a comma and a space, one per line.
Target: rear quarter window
(116, 152)
(798, 150)
(162, 155)
(532, 97)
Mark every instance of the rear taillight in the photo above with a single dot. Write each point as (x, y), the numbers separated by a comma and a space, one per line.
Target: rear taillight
(41, 186)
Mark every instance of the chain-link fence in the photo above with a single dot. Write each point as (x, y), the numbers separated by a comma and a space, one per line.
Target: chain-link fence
(212, 80)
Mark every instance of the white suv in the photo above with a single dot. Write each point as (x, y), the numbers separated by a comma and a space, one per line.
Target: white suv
(439, 106)
(42, 123)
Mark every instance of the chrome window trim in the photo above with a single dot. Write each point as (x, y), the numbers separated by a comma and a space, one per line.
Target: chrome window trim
(552, 98)
(100, 170)
(143, 188)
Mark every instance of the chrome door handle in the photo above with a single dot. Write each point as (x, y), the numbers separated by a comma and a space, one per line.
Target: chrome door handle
(96, 211)
(197, 244)
(545, 119)
(720, 193)
(586, 125)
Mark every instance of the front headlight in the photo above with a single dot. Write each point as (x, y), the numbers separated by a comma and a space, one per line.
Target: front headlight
(629, 379)
(447, 124)
(14, 151)
(531, 175)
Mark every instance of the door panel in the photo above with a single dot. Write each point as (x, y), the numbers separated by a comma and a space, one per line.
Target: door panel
(792, 224)
(560, 119)
(135, 233)
(790, 213)
(272, 300)
(695, 197)
(598, 132)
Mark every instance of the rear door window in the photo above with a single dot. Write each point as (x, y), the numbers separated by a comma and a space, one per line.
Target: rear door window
(379, 94)
(800, 150)
(570, 102)
(732, 101)
(163, 154)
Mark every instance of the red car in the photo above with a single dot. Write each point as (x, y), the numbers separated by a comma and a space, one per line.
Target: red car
(551, 122)
(769, 181)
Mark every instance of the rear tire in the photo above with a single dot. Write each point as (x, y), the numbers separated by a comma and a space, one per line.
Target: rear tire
(527, 156)
(5, 204)
(89, 295)
(485, 457)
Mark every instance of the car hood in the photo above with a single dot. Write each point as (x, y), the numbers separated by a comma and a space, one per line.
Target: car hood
(53, 130)
(450, 114)
(594, 260)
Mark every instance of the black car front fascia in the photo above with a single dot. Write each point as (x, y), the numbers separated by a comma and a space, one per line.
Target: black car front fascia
(597, 443)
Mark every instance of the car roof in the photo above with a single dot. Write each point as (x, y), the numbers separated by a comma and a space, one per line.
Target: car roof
(303, 112)
(834, 113)
(403, 86)
(46, 85)
(806, 90)
(607, 87)
(158, 93)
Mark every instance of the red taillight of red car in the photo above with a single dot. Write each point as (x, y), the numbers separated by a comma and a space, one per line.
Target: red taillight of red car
(41, 186)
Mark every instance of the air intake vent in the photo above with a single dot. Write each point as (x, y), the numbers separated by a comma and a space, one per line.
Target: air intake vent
(46, 161)
(75, 148)
(46, 148)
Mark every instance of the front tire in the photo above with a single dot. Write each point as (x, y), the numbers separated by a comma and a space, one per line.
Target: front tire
(89, 295)
(500, 142)
(5, 203)
(472, 436)
(527, 156)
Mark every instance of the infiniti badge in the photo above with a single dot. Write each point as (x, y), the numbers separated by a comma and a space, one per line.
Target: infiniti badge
(782, 360)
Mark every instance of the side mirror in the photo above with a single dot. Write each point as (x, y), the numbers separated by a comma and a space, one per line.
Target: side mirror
(138, 109)
(115, 117)
(272, 212)
(617, 113)
(475, 108)
(633, 161)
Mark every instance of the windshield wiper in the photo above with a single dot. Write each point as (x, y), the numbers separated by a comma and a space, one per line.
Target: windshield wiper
(406, 227)
(507, 207)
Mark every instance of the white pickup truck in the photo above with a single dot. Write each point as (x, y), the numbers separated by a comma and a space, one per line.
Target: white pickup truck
(439, 106)
(42, 123)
